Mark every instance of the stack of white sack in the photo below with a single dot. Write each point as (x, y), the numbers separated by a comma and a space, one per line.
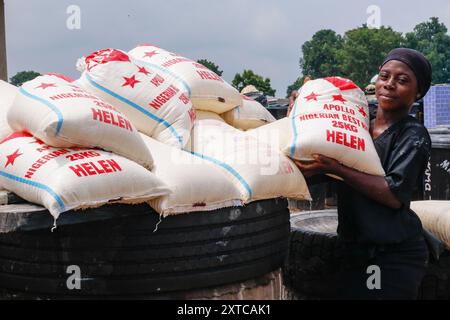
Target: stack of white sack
(54, 158)
(7, 94)
(62, 179)
(207, 90)
(197, 184)
(63, 115)
(435, 217)
(256, 168)
(330, 117)
(250, 115)
(156, 102)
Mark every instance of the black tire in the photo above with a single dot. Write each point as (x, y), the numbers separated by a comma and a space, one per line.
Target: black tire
(123, 257)
(312, 260)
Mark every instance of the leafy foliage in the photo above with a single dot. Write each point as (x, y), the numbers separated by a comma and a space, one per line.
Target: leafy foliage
(358, 54)
(23, 76)
(211, 66)
(432, 40)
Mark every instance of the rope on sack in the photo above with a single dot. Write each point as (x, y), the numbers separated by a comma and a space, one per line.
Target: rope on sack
(157, 225)
(54, 225)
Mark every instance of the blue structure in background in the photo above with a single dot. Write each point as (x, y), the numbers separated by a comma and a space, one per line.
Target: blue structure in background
(437, 106)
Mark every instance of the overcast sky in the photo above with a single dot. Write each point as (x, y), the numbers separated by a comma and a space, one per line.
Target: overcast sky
(263, 35)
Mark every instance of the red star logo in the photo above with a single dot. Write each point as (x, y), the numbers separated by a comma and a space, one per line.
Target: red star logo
(150, 54)
(12, 157)
(339, 97)
(362, 111)
(312, 96)
(46, 85)
(144, 71)
(341, 83)
(130, 81)
(37, 141)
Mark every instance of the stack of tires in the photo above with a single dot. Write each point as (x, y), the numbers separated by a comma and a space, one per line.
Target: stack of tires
(123, 251)
(312, 264)
(312, 260)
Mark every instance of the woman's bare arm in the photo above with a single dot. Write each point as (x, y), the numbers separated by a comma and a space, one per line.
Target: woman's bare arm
(374, 187)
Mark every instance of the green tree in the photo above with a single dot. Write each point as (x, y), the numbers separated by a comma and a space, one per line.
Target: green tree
(320, 54)
(295, 86)
(432, 40)
(23, 76)
(211, 66)
(248, 77)
(364, 50)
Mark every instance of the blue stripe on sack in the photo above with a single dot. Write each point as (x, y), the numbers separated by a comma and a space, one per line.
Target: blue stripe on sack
(229, 169)
(37, 185)
(294, 108)
(152, 65)
(294, 128)
(48, 104)
(137, 107)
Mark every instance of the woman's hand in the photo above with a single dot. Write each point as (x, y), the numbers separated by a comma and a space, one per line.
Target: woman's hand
(320, 165)
(373, 187)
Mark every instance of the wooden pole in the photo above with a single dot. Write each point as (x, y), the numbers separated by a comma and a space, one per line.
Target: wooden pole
(3, 66)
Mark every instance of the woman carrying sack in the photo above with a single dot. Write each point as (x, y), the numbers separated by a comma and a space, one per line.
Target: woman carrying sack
(384, 253)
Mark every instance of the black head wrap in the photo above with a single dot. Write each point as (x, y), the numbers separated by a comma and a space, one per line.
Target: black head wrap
(417, 62)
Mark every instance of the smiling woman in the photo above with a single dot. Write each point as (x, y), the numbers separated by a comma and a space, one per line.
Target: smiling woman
(376, 225)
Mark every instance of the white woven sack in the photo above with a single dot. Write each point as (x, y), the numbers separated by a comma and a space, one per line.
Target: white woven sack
(250, 115)
(278, 133)
(259, 170)
(435, 217)
(154, 101)
(197, 184)
(62, 179)
(63, 115)
(207, 90)
(331, 117)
